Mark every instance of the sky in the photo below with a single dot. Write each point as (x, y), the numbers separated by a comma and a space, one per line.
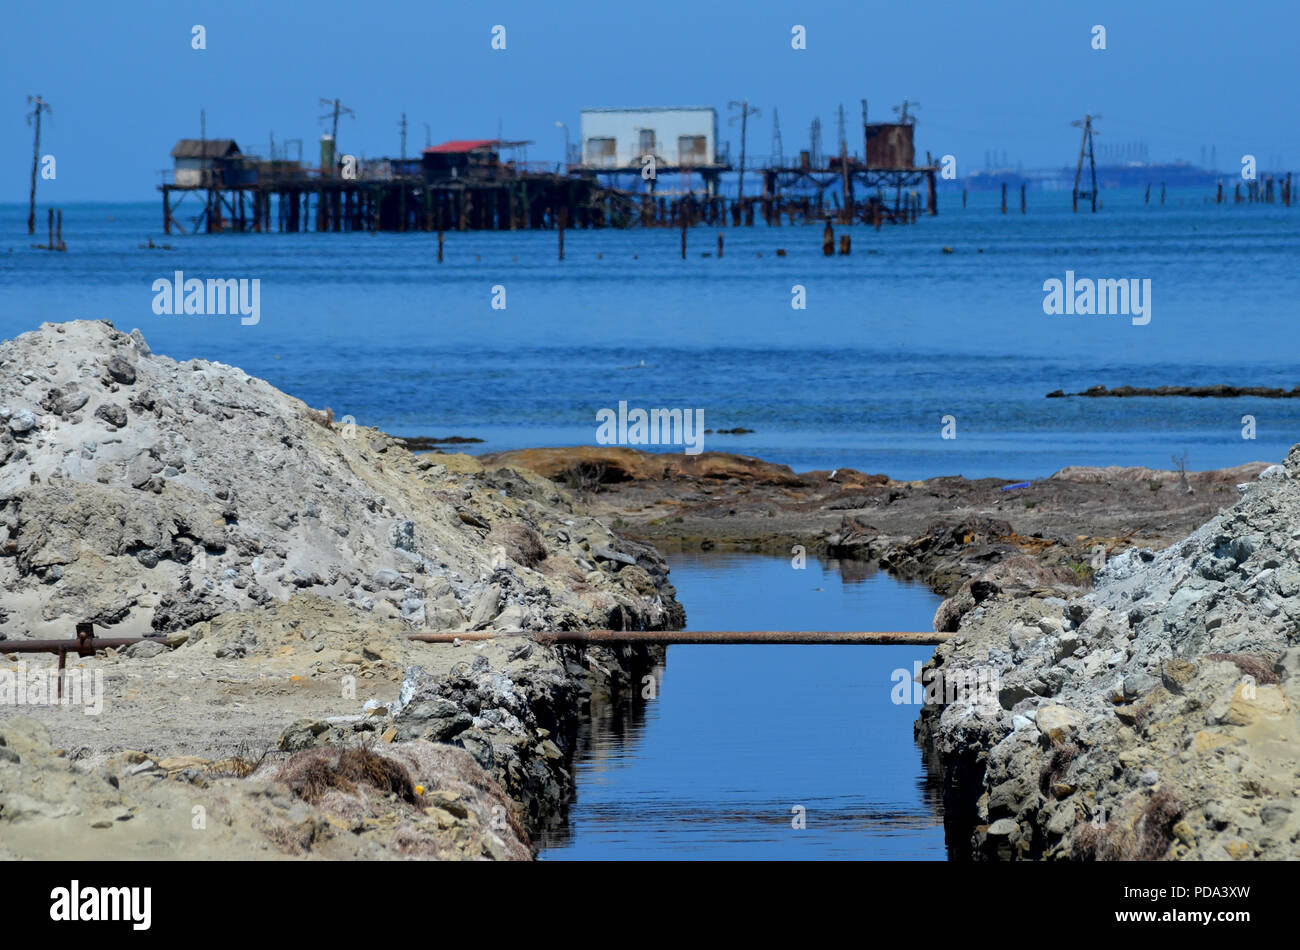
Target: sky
(1009, 77)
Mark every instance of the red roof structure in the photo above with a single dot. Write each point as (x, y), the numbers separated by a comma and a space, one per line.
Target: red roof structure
(460, 146)
(464, 146)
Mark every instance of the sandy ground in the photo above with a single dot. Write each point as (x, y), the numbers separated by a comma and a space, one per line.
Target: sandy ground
(164, 712)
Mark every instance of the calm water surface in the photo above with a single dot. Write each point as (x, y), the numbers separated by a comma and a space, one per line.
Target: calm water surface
(739, 735)
(894, 337)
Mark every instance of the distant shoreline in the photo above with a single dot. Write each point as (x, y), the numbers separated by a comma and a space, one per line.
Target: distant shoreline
(1221, 391)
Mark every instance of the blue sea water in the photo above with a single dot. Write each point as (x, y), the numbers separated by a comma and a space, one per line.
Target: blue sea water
(894, 337)
(738, 737)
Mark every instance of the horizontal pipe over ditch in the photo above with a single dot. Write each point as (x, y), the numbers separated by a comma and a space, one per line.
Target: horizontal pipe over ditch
(678, 637)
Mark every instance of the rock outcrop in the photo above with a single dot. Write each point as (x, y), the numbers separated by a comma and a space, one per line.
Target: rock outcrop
(1153, 718)
(597, 465)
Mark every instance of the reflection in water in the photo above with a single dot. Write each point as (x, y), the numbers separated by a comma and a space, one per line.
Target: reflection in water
(609, 736)
(739, 743)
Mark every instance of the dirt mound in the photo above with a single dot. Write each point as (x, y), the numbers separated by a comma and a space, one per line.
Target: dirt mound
(145, 494)
(287, 554)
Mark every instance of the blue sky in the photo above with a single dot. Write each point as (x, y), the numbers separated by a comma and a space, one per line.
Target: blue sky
(1001, 76)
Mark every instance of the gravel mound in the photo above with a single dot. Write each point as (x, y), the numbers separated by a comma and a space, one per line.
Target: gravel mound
(148, 495)
(1155, 718)
(286, 554)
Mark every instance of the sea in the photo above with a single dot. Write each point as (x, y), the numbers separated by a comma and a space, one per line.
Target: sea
(925, 351)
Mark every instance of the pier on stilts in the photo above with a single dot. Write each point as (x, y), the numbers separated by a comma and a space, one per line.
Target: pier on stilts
(468, 186)
(791, 196)
(298, 205)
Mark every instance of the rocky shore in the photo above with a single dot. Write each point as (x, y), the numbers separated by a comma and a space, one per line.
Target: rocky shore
(284, 556)
(1135, 631)
(1152, 718)
(1136, 627)
(946, 531)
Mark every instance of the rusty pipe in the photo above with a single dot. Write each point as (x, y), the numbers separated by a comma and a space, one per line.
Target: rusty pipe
(83, 645)
(80, 647)
(681, 637)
